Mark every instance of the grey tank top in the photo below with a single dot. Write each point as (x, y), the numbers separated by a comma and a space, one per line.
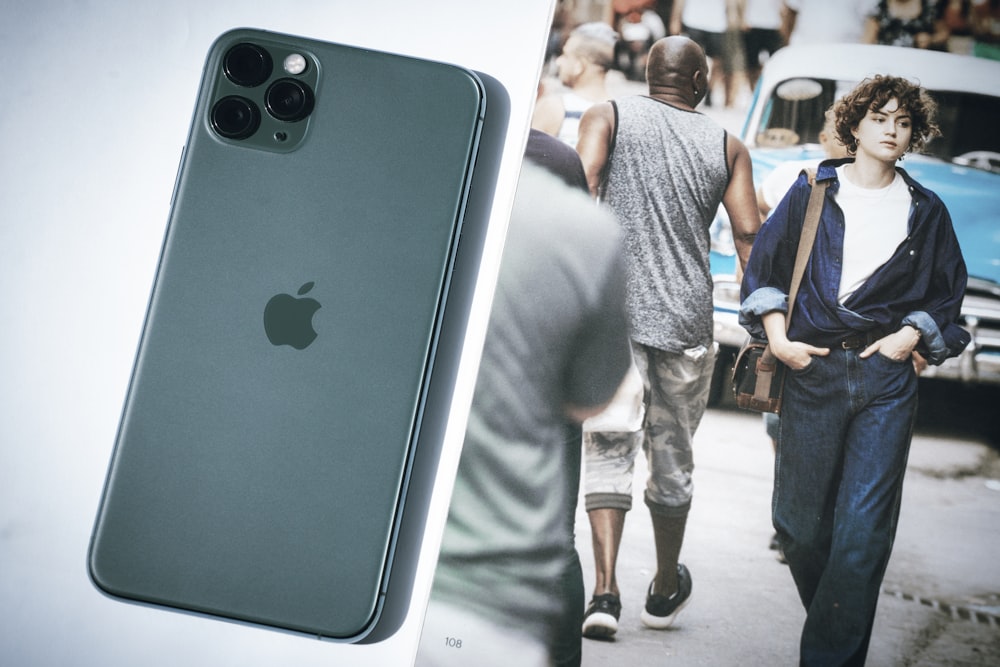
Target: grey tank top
(665, 178)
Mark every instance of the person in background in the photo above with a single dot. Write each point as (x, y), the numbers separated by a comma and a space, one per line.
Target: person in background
(885, 277)
(955, 14)
(556, 157)
(774, 186)
(639, 27)
(825, 22)
(555, 351)
(582, 68)
(707, 22)
(984, 18)
(760, 23)
(663, 169)
(910, 23)
(562, 24)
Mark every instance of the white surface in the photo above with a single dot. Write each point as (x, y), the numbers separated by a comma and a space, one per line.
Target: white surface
(97, 102)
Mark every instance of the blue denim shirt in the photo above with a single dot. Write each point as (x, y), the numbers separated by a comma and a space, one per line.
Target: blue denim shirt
(922, 284)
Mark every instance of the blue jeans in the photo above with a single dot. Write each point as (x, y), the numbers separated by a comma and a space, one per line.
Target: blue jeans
(844, 435)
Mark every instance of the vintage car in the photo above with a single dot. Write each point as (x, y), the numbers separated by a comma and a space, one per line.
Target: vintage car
(962, 166)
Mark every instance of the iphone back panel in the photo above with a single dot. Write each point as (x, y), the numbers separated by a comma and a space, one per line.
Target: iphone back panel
(261, 462)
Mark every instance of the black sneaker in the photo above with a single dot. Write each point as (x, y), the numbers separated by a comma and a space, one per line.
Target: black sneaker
(661, 610)
(601, 619)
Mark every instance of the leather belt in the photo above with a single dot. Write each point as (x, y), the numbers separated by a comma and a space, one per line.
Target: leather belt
(860, 340)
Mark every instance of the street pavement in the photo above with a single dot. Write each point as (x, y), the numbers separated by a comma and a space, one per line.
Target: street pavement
(940, 604)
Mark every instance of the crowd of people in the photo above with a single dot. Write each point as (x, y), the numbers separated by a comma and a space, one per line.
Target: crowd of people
(600, 344)
(739, 35)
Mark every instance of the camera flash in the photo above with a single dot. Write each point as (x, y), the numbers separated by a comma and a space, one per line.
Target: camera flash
(295, 64)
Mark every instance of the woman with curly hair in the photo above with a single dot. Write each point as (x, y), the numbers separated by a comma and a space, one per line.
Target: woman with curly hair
(880, 295)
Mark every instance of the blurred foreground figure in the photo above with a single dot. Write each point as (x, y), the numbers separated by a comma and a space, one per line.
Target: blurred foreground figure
(556, 350)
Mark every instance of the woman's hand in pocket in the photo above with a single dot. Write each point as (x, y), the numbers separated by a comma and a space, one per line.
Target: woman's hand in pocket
(796, 355)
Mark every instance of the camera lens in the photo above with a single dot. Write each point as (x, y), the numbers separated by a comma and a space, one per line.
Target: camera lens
(289, 100)
(235, 117)
(247, 65)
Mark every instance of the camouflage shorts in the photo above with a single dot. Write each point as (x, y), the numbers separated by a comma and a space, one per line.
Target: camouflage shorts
(674, 397)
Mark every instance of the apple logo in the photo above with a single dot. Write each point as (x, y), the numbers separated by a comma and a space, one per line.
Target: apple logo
(288, 321)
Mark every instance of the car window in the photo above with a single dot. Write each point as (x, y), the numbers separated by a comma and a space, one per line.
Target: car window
(969, 129)
(794, 112)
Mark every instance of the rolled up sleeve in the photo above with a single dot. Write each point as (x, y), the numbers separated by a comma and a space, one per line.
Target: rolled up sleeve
(757, 304)
(938, 345)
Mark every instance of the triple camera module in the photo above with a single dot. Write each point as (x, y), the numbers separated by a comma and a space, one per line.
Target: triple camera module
(288, 99)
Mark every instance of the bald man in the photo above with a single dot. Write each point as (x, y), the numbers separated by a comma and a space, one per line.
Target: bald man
(663, 168)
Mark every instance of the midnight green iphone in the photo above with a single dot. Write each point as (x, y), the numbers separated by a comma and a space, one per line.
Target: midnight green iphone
(261, 464)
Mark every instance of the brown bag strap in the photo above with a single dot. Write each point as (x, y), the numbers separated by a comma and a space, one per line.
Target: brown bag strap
(808, 235)
(767, 366)
(809, 226)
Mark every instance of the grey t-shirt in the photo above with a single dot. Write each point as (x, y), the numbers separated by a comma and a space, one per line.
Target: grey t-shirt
(557, 335)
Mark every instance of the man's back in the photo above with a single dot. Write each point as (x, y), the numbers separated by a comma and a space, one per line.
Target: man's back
(666, 176)
(664, 169)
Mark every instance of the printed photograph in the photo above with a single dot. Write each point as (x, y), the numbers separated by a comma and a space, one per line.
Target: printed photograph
(737, 398)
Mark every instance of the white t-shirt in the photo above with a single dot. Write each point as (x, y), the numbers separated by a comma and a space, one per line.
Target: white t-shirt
(763, 14)
(826, 22)
(707, 15)
(775, 185)
(574, 107)
(875, 223)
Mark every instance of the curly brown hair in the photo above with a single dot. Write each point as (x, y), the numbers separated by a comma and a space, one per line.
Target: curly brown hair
(874, 93)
